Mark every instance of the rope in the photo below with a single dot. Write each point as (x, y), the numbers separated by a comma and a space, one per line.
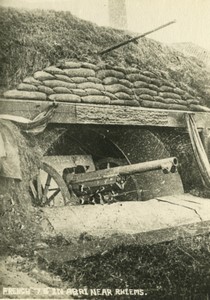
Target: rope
(198, 149)
(38, 124)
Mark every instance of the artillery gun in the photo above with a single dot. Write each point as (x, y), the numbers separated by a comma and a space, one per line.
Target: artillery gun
(104, 186)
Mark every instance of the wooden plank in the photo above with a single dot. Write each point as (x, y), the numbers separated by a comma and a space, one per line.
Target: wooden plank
(96, 246)
(76, 113)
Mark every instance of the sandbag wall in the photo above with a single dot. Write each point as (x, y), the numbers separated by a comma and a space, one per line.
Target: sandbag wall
(78, 82)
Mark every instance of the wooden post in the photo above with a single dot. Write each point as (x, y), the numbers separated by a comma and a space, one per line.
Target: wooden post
(205, 140)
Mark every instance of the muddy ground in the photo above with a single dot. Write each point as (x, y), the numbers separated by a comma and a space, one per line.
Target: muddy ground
(175, 270)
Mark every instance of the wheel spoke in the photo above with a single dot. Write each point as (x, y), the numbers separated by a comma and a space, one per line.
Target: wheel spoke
(53, 196)
(33, 189)
(46, 188)
(39, 187)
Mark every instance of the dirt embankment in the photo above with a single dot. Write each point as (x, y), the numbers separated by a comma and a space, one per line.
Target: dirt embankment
(19, 223)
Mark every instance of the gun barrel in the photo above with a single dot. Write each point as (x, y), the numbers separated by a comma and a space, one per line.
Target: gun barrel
(134, 38)
(167, 165)
(161, 164)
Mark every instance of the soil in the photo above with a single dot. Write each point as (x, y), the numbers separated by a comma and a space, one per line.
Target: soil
(18, 272)
(175, 270)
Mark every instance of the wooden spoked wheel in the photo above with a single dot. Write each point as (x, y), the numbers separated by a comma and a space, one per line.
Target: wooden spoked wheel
(131, 191)
(49, 188)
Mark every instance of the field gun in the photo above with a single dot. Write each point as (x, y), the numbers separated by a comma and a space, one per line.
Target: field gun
(105, 185)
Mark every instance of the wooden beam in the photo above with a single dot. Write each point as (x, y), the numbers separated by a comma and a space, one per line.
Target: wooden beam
(77, 113)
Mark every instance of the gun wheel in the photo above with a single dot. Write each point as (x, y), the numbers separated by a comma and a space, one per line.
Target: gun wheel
(48, 188)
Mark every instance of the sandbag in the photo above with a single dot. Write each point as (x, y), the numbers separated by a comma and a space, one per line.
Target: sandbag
(171, 101)
(177, 107)
(144, 78)
(64, 78)
(68, 64)
(187, 96)
(90, 92)
(153, 87)
(101, 74)
(131, 103)
(59, 83)
(140, 84)
(199, 108)
(138, 77)
(132, 70)
(127, 83)
(125, 102)
(152, 104)
(65, 98)
(117, 102)
(145, 91)
(179, 91)
(42, 75)
(168, 83)
(156, 82)
(89, 66)
(79, 92)
(27, 87)
(61, 90)
(159, 99)
(193, 101)
(123, 96)
(182, 102)
(146, 97)
(31, 80)
(170, 95)
(115, 88)
(80, 72)
(110, 95)
(165, 88)
(116, 68)
(93, 79)
(91, 85)
(79, 79)
(110, 80)
(53, 70)
(15, 94)
(148, 74)
(96, 99)
(45, 89)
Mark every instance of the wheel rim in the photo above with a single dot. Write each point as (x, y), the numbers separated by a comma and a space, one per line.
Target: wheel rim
(49, 188)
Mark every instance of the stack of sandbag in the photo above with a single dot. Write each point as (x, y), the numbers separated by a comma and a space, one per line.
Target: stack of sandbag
(82, 82)
(117, 87)
(154, 91)
(67, 82)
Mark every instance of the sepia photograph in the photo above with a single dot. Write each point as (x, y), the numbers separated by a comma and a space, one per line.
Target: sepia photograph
(105, 149)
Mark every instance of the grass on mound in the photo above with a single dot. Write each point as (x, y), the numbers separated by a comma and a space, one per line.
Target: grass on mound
(32, 40)
(173, 270)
